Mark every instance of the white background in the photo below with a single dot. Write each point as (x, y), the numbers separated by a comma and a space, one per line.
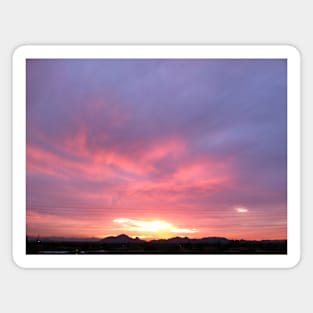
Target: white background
(246, 22)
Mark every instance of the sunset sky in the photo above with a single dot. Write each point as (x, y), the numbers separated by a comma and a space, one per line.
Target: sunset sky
(157, 148)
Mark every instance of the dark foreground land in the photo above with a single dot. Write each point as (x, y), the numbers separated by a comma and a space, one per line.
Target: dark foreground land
(125, 245)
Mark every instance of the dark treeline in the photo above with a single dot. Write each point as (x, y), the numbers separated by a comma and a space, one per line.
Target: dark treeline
(125, 245)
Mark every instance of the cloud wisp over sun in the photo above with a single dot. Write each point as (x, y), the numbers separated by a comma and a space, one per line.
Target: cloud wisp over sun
(154, 228)
(241, 210)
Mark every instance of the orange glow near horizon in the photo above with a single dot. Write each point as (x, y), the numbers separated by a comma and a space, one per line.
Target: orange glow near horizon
(151, 229)
(47, 225)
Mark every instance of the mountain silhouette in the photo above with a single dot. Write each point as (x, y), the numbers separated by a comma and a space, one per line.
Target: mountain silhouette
(123, 244)
(120, 239)
(124, 239)
(214, 240)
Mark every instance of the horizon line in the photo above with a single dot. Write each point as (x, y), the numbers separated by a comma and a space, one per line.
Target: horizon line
(146, 239)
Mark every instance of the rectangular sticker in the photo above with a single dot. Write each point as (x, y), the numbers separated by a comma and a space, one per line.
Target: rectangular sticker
(156, 156)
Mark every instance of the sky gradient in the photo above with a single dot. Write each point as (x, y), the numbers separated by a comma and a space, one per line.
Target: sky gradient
(157, 148)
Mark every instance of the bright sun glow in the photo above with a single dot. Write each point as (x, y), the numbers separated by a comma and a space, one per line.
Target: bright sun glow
(157, 227)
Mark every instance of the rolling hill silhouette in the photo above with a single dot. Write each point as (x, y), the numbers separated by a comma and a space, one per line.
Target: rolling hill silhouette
(121, 239)
(123, 244)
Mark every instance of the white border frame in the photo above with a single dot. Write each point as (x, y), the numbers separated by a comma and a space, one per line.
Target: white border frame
(154, 261)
